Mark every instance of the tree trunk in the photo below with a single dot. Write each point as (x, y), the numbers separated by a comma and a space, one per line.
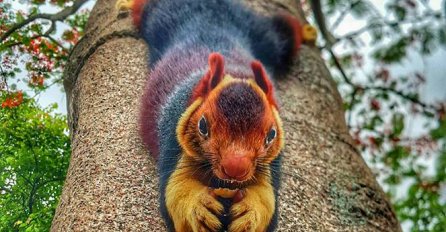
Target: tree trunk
(112, 182)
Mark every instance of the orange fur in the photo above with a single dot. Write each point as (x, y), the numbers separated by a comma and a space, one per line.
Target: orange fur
(212, 77)
(263, 82)
(193, 206)
(190, 204)
(223, 143)
(255, 210)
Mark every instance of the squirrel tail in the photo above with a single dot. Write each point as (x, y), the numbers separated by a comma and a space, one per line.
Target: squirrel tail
(276, 41)
(290, 31)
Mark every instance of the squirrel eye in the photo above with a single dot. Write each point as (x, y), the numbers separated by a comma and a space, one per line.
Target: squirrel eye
(203, 127)
(270, 136)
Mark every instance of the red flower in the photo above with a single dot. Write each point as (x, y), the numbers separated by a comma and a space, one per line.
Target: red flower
(13, 101)
(375, 105)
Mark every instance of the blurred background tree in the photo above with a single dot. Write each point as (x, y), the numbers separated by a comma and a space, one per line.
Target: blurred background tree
(36, 38)
(35, 151)
(377, 51)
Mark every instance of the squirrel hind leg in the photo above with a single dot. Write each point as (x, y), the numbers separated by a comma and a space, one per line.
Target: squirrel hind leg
(136, 6)
(309, 34)
(123, 5)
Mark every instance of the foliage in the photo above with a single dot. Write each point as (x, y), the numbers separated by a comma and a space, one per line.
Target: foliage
(37, 51)
(382, 101)
(34, 156)
(34, 146)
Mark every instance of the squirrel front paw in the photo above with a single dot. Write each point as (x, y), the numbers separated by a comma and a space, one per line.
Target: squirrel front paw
(204, 213)
(253, 213)
(244, 218)
(197, 211)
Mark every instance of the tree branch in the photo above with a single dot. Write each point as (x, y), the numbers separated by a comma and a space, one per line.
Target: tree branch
(60, 16)
(339, 67)
(400, 94)
(47, 35)
(383, 23)
(31, 198)
(46, 87)
(343, 14)
(43, 183)
(320, 20)
(356, 87)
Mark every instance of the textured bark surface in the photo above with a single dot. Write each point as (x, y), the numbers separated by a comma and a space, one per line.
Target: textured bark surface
(112, 182)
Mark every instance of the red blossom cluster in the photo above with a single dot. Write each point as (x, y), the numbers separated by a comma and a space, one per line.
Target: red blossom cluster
(375, 105)
(13, 100)
(37, 80)
(44, 52)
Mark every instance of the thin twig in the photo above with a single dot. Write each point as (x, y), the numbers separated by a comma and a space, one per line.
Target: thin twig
(343, 14)
(320, 20)
(46, 87)
(401, 94)
(339, 67)
(357, 88)
(60, 16)
(387, 23)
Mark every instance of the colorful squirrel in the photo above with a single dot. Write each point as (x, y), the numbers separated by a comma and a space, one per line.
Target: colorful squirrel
(209, 114)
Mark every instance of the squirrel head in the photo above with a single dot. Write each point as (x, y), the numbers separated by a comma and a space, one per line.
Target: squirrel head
(232, 124)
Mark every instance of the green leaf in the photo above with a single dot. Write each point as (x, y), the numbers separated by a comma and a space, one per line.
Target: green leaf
(19, 17)
(395, 52)
(34, 148)
(440, 131)
(398, 124)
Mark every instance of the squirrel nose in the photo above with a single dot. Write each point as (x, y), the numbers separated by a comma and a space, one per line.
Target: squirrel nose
(236, 167)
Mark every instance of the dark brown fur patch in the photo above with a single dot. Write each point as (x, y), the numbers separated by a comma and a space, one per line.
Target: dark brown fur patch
(241, 106)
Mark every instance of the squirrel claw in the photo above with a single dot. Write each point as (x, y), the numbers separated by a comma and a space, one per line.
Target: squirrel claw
(244, 218)
(123, 5)
(203, 215)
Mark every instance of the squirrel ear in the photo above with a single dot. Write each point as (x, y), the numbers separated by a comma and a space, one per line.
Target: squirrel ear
(262, 80)
(216, 69)
(212, 77)
(261, 77)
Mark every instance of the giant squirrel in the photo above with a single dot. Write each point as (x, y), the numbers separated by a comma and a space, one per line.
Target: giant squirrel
(209, 114)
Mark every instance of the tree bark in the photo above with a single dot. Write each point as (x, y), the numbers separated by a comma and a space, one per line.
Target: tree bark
(112, 182)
